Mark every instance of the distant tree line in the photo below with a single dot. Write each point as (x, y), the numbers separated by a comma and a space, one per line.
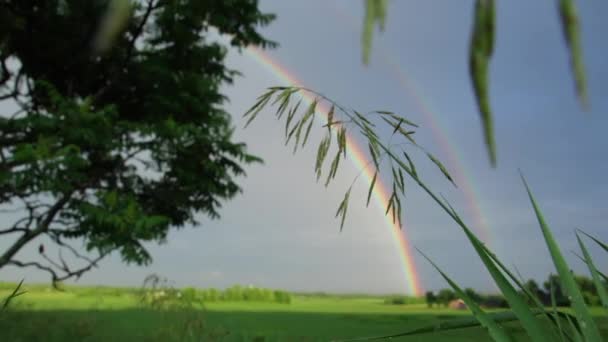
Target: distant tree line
(238, 293)
(445, 296)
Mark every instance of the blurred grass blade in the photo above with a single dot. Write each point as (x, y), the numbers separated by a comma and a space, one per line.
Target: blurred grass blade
(535, 329)
(480, 52)
(496, 331)
(375, 11)
(114, 21)
(571, 28)
(588, 326)
(575, 330)
(601, 289)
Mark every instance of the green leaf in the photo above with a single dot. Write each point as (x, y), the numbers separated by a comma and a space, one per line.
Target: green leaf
(307, 116)
(401, 119)
(308, 131)
(571, 28)
(441, 167)
(343, 140)
(343, 208)
(333, 168)
(399, 212)
(291, 115)
(372, 152)
(590, 331)
(601, 289)
(397, 128)
(371, 188)
(402, 181)
(258, 106)
(284, 97)
(364, 119)
(322, 154)
(412, 167)
(487, 321)
(389, 204)
(330, 117)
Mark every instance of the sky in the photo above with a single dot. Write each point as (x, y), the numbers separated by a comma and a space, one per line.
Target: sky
(281, 231)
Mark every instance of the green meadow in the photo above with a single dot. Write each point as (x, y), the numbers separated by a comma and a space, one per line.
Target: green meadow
(113, 314)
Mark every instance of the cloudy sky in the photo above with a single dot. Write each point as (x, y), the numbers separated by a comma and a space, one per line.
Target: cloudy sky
(281, 232)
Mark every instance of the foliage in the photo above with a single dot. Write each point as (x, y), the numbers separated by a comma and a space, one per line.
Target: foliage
(481, 47)
(120, 133)
(430, 298)
(401, 300)
(445, 296)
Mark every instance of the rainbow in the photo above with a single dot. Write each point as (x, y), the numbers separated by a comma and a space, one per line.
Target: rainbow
(359, 159)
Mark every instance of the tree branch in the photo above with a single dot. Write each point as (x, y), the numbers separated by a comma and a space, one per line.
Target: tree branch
(31, 234)
(54, 274)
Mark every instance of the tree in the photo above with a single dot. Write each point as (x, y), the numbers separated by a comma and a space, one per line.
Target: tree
(535, 290)
(553, 283)
(430, 299)
(476, 297)
(119, 133)
(445, 296)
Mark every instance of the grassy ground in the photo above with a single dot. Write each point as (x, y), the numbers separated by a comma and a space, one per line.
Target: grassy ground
(115, 315)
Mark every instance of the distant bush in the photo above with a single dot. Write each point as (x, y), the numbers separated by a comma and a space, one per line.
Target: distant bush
(402, 300)
(494, 301)
(282, 297)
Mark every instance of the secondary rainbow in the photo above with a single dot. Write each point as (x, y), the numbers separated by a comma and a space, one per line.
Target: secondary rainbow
(359, 159)
(440, 135)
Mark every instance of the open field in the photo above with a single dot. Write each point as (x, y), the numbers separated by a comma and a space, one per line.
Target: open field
(107, 314)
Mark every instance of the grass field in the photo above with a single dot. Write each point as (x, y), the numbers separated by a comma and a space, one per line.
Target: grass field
(82, 314)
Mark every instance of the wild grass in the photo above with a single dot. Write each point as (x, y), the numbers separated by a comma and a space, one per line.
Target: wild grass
(539, 324)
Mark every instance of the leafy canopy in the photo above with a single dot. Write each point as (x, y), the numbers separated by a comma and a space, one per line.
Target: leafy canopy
(119, 132)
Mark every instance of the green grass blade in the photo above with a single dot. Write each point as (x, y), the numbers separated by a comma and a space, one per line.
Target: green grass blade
(598, 271)
(588, 326)
(571, 28)
(601, 289)
(496, 331)
(600, 243)
(555, 315)
(480, 53)
(575, 331)
(535, 329)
